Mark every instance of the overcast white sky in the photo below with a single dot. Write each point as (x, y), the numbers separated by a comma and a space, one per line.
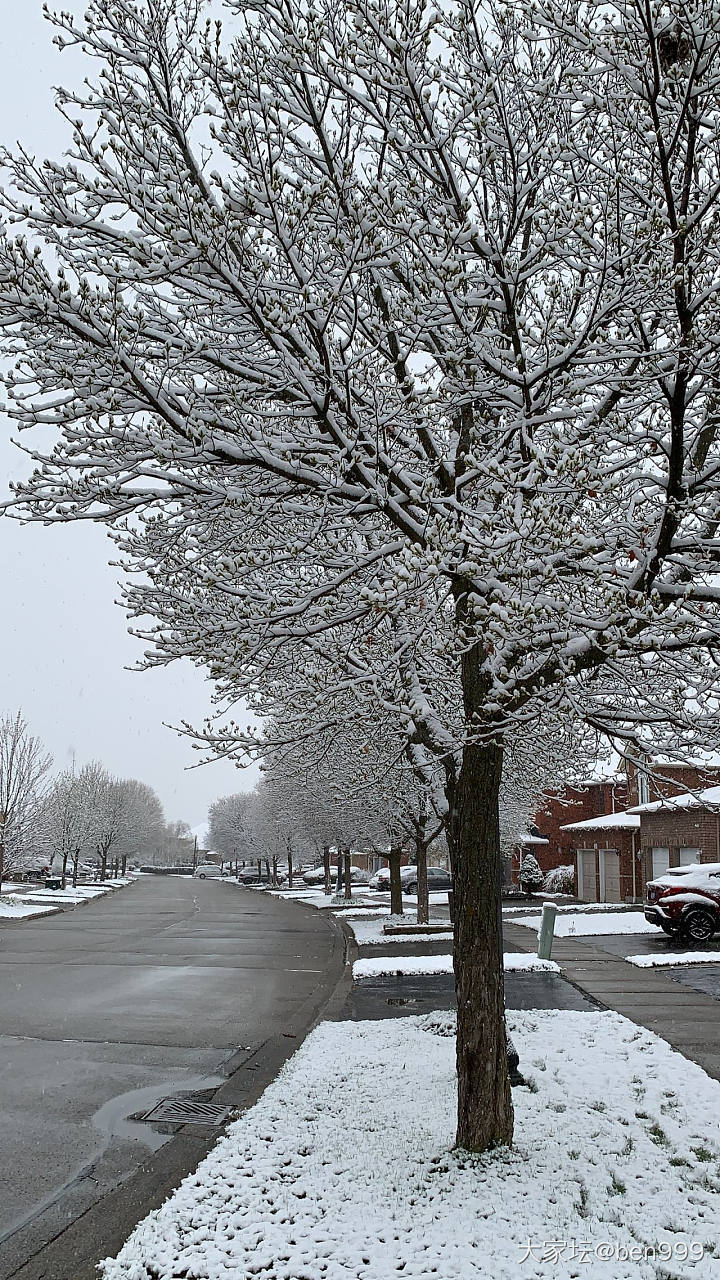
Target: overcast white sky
(64, 647)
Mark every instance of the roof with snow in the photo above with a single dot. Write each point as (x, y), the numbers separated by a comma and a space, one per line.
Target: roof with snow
(526, 838)
(626, 820)
(707, 799)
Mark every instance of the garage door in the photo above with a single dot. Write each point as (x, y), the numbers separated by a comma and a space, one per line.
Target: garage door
(586, 875)
(611, 879)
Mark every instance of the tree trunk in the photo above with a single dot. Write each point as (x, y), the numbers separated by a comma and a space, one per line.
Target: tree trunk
(259, 871)
(423, 897)
(339, 880)
(348, 877)
(267, 869)
(76, 859)
(274, 872)
(123, 867)
(290, 869)
(485, 1115)
(103, 865)
(63, 874)
(396, 902)
(326, 865)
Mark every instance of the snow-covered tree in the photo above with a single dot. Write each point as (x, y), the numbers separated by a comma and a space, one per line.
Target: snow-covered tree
(397, 316)
(531, 877)
(232, 827)
(24, 765)
(69, 817)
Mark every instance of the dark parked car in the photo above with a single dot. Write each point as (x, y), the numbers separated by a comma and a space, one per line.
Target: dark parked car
(685, 901)
(438, 879)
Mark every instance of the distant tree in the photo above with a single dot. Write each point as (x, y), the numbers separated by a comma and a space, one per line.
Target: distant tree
(70, 817)
(24, 765)
(231, 827)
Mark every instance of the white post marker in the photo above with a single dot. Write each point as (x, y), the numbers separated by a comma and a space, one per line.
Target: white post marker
(546, 932)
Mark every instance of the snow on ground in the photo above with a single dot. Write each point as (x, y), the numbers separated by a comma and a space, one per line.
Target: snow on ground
(671, 958)
(581, 925)
(515, 961)
(349, 1173)
(580, 908)
(18, 911)
(370, 932)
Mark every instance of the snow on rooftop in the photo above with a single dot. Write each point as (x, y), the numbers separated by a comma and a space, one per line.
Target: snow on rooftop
(626, 820)
(709, 798)
(526, 838)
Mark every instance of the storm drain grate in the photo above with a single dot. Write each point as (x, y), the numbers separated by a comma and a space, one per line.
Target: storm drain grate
(187, 1111)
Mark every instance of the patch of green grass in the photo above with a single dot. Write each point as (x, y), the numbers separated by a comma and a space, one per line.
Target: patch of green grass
(702, 1154)
(657, 1135)
(617, 1187)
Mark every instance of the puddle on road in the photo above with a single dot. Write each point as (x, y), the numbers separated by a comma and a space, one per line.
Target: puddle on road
(113, 1119)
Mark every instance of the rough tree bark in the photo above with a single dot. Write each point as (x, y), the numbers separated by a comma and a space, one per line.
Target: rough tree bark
(348, 876)
(485, 1114)
(290, 868)
(326, 866)
(396, 902)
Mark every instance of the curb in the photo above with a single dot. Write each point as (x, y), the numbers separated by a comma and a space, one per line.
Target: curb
(61, 908)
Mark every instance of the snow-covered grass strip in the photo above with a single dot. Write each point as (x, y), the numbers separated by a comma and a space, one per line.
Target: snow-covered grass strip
(581, 925)
(371, 932)
(514, 962)
(670, 958)
(20, 911)
(579, 908)
(345, 1168)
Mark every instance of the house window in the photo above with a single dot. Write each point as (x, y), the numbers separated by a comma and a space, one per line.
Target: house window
(660, 861)
(643, 787)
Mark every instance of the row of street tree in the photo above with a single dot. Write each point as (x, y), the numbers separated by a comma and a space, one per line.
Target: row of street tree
(74, 817)
(384, 338)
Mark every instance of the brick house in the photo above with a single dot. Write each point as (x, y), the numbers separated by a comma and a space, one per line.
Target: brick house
(678, 830)
(595, 826)
(605, 855)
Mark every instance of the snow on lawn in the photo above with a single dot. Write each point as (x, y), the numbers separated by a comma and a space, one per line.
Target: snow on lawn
(581, 925)
(514, 962)
(671, 958)
(18, 911)
(370, 932)
(350, 1174)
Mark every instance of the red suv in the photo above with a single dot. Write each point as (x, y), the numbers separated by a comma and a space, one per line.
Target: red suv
(685, 902)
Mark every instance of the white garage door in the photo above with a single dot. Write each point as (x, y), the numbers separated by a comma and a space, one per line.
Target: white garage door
(610, 868)
(587, 885)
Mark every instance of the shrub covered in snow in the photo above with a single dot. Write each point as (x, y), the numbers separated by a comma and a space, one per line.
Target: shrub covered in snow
(560, 880)
(531, 877)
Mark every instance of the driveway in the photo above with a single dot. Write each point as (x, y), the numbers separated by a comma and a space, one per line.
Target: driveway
(171, 984)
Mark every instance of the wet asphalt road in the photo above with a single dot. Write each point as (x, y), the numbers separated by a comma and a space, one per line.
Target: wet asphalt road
(170, 984)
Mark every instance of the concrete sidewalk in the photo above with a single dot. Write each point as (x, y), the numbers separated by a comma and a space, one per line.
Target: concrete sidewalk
(687, 1019)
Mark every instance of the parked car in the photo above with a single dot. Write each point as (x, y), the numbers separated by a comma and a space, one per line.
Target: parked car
(317, 875)
(208, 871)
(685, 901)
(249, 875)
(438, 879)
